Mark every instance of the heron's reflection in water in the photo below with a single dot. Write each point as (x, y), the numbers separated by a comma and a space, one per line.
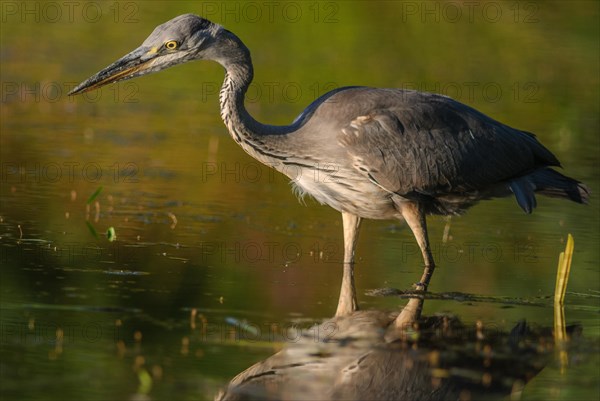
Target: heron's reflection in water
(365, 356)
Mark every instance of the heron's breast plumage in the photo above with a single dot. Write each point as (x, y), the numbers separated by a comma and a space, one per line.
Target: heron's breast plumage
(345, 190)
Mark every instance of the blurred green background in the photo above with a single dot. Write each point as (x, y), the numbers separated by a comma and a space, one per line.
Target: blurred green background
(205, 233)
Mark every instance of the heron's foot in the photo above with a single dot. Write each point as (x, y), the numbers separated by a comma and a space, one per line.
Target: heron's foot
(425, 278)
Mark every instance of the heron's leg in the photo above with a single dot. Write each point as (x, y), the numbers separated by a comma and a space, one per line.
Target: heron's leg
(347, 302)
(415, 218)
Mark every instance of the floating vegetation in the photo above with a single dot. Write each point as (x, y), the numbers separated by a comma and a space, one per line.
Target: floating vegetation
(126, 273)
(111, 234)
(173, 220)
(564, 269)
(145, 380)
(94, 195)
(458, 296)
(242, 325)
(562, 278)
(70, 308)
(92, 229)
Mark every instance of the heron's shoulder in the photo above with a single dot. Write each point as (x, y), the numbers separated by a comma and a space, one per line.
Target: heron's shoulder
(364, 99)
(352, 101)
(361, 95)
(424, 110)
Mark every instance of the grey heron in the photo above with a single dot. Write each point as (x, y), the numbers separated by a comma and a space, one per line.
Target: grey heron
(386, 153)
(351, 358)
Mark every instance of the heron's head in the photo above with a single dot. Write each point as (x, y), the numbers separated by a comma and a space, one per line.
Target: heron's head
(184, 38)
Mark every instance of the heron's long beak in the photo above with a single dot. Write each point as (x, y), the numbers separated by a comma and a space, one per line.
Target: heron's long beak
(136, 63)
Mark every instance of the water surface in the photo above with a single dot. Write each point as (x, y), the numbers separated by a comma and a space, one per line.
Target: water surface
(214, 258)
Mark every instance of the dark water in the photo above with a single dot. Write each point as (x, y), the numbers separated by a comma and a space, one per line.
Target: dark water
(214, 258)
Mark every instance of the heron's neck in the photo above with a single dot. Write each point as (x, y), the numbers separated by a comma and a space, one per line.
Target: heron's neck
(244, 129)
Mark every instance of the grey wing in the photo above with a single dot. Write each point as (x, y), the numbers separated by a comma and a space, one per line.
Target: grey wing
(436, 146)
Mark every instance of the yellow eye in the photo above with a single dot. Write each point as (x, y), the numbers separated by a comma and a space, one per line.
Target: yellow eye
(171, 45)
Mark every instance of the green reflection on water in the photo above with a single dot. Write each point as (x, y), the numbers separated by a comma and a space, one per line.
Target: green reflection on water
(242, 245)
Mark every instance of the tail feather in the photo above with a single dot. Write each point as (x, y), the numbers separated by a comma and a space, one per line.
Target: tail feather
(550, 183)
(524, 192)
